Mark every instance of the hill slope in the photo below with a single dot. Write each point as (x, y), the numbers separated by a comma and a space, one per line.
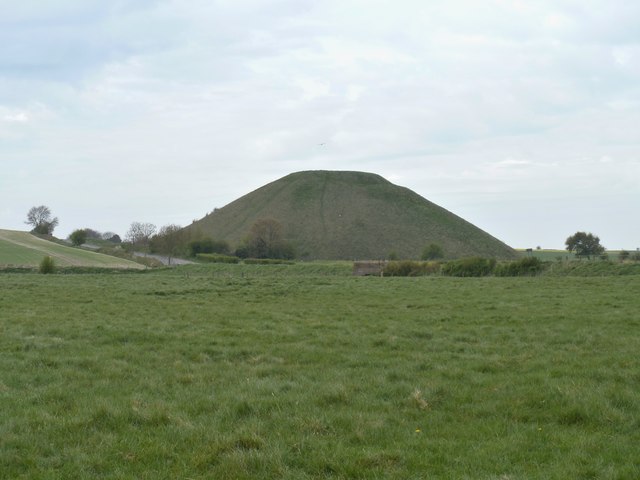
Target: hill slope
(21, 249)
(350, 215)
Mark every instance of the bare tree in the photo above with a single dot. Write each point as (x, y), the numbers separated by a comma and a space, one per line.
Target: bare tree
(40, 219)
(264, 234)
(266, 240)
(139, 233)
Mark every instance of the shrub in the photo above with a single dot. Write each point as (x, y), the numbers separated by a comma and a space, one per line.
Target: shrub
(208, 245)
(523, 267)
(469, 267)
(410, 268)
(216, 258)
(432, 251)
(47, 265)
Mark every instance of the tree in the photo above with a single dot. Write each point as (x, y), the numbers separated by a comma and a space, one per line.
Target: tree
(432, 251)
(584, 244)
(167, 241)
(111, 237)
(40, 219)
(265, 240)
(139, 233)
(78, 237)
(91, 233)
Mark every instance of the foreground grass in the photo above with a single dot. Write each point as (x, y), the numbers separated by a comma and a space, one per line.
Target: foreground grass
(264, 372)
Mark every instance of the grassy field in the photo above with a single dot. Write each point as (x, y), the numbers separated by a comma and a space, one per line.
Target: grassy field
(20, 249)
(550, 255)
(234, 371)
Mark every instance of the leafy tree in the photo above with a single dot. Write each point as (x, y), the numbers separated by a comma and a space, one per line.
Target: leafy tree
(623, 255)
(168, 241)
(432, 251)
(139, 233)
(41, 220)
(91, 233)
(584, 244)
(78, 237)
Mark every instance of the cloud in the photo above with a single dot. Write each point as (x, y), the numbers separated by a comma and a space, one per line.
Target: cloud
(180, 106)
(15, 117)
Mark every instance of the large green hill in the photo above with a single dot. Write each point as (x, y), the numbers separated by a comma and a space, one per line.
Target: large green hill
(350, 215)
(21, 249)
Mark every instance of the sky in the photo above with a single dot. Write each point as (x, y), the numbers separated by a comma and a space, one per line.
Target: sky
(520, 116)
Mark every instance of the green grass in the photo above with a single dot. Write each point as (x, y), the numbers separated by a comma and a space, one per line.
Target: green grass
(547, 255)
(553, 255)
(302, 371)
(21, 249)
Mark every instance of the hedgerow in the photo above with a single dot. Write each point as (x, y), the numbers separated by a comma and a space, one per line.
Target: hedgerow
(216, 258)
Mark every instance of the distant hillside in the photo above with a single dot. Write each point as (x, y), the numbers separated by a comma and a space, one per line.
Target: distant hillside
(350, 215)
(21, 249)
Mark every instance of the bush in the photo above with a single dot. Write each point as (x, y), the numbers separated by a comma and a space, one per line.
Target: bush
(208, 245)
(469, 267)
(410, 268)
(216, 258)
(432, 251)
(47, 265)
(523, 267)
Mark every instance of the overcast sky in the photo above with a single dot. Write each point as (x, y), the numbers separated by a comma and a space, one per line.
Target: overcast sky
(523, 117)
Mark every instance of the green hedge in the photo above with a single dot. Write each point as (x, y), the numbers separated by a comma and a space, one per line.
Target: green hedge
(410, 268)
(524, 267)
(469, 267)
(267, 261)
(216, 258)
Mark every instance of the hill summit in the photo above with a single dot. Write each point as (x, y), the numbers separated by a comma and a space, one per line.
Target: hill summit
(350, 215)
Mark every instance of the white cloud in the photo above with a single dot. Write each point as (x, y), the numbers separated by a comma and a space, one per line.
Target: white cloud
(15, 117)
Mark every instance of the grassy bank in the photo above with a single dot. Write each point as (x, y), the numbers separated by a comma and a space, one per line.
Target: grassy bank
(284, 371)
(21, 249)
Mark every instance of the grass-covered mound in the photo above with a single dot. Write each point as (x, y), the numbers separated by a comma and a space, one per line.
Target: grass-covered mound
(350, 215)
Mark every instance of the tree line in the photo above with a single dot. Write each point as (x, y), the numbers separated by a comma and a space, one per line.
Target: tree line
(265, 239)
